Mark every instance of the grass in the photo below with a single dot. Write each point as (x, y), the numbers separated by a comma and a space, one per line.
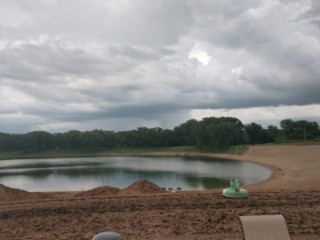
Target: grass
(152, 149)
(60, 153)
(68, 153)
(299, 142)
(237, 149)
(45, 154)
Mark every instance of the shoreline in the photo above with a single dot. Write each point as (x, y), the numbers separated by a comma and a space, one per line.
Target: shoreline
(290, 167)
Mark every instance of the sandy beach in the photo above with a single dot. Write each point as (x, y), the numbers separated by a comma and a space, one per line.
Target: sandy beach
(146, 211)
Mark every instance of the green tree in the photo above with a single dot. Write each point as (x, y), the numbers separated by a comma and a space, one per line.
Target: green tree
(287, 126)
(72, 139)
(272, 133)
(218, 133)
(186, 133)
(37, 140)
(256, 134)
(301, 129)
(109, 139)
(222, 135)
(305, 130)
(92, 140)
(9, 141)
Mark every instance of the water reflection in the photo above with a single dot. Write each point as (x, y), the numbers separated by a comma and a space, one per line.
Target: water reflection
(66, 174)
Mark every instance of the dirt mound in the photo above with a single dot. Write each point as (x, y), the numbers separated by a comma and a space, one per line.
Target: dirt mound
(9, 194)
(142, 187)
(100, 191)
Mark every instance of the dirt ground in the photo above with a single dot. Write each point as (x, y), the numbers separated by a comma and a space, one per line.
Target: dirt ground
(146, 211)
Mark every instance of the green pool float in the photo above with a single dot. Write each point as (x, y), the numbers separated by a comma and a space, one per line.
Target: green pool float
(235, 190)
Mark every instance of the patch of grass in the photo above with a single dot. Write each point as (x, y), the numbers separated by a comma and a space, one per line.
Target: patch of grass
(69, 153)
(45, 154)
(60, 153)
(136, 150)
(237, 149)
(297, 142)
(10, 154)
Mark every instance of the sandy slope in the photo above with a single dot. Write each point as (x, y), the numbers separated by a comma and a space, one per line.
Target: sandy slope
(143, 211)
(294, 166)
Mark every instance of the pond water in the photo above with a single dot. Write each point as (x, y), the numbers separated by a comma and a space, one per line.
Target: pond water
(76, 174)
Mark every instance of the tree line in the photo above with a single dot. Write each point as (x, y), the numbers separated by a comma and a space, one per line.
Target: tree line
(208, 134)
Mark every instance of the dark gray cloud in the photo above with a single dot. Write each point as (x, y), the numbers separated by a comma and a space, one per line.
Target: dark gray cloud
(123, 64)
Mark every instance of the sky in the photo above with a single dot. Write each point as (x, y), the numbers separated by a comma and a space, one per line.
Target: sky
(122, 64)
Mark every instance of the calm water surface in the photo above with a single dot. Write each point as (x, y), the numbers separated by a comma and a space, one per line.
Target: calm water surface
(68, 174)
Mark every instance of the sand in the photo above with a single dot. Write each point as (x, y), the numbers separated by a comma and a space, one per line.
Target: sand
(145, 211)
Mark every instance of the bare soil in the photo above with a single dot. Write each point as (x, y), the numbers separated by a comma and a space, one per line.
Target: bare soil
(145, 211)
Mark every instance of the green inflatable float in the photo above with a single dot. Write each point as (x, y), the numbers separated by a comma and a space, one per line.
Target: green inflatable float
(235, 190)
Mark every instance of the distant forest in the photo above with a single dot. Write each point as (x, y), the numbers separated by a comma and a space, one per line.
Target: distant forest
(209, 134)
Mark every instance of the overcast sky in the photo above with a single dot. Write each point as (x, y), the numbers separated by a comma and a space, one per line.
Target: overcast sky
(122, 64)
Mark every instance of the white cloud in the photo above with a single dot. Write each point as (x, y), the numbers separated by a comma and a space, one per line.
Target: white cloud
(81, 83)
(198, 53)
(13, 100)
(237, 70)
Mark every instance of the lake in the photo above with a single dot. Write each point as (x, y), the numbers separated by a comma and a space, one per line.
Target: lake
(76, 174)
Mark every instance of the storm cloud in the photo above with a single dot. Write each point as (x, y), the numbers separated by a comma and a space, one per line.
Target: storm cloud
(122, 64)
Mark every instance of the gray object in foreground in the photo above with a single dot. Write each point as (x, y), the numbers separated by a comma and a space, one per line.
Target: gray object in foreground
(107, 236)
(264, 227)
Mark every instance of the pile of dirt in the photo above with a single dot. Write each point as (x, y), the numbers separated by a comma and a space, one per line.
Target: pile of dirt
(100, 191)
(142, 187)
(10, 194)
